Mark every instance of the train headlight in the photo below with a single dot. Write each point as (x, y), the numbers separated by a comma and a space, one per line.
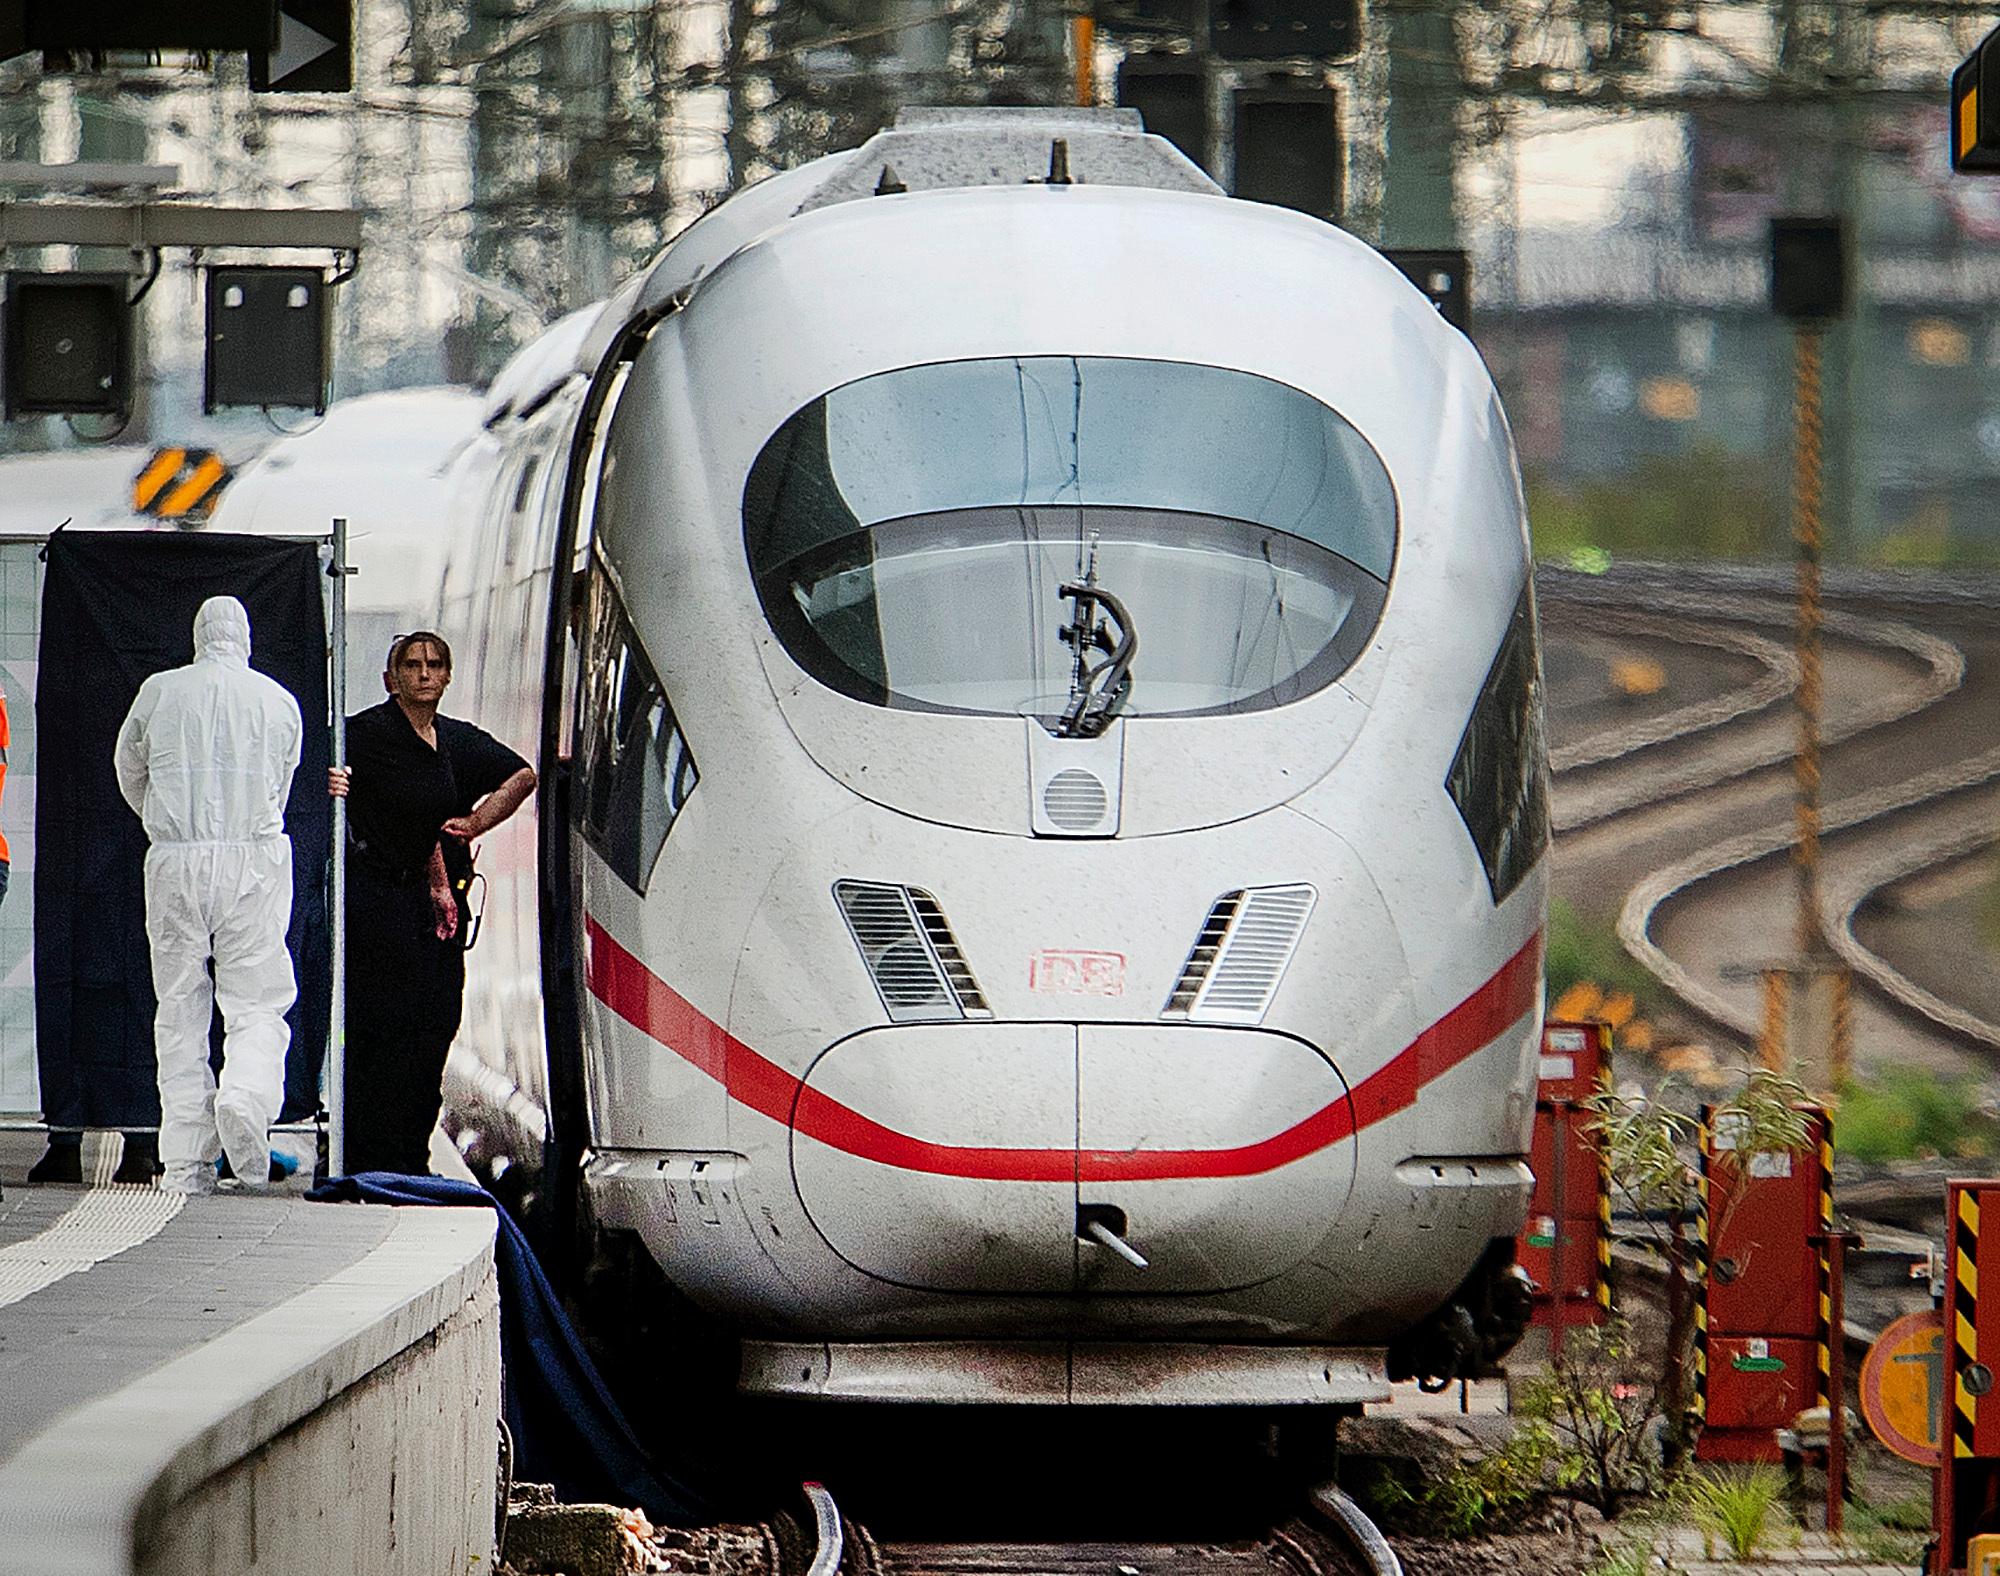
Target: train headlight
(910, 952)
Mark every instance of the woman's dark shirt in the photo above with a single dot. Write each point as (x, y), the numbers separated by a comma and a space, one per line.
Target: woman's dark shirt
(403, 791)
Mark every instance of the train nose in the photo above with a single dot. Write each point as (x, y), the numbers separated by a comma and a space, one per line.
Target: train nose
(978, 1157)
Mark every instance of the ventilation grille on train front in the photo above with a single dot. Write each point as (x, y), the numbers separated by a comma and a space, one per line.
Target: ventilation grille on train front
(910, 952)
(1245, 945)
(1076, 801)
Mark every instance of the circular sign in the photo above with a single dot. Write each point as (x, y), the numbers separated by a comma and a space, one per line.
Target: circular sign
(1903, 1381)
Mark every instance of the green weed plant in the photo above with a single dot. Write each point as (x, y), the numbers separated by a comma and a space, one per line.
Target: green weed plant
(1736, 1507)
(1600, 1424)
(1634, 1556)
(1908, 1113)
(1474, 1496)
(1579, 950)
(1883, 1536)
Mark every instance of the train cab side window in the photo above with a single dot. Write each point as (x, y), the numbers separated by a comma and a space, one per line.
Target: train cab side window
(634, 771)
(527, 481)
(1500, 777)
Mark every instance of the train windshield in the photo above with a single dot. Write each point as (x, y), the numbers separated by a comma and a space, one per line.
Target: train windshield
(910, 534)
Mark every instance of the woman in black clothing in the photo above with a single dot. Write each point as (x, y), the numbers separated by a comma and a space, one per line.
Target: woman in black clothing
(418, 787)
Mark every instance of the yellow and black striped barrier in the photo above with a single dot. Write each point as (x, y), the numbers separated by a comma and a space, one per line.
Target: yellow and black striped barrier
(1968, 1482)
(1968, 1383)
(1604, 1222)
(1827, 1333)
(180, 484)
(1701, 1248)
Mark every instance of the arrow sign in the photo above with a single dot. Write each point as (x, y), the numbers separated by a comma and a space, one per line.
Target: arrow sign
(315, 51)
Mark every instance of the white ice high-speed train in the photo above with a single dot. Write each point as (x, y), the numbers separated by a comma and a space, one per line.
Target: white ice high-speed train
(1038, 888)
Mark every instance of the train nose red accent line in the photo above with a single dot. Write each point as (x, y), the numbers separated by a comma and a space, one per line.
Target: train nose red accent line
(616, 977)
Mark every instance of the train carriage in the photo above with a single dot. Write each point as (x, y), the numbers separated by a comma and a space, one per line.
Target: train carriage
(1038, 888)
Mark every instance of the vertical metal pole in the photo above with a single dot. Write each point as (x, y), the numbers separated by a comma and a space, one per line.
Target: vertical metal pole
(1841, 1059)
(1683, 1298)
(336, 1075)
(1083, 40)
(1806, 534)
(1771, 1049)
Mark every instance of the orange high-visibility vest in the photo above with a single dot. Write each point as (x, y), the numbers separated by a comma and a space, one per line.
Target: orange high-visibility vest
(5, 740)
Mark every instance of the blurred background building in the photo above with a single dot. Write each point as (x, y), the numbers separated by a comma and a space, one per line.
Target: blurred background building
(1608, 165)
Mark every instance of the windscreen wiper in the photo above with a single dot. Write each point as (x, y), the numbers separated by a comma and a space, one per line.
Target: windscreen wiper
(1097, 690)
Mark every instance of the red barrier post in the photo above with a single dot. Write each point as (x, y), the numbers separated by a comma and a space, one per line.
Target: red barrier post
(1559, 1304)
(1763, 1295)
(1574, 1063)
(1836, 1358)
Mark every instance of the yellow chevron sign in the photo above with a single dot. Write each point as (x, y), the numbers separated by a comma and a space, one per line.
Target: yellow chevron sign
(1975, 130)
(179, 484)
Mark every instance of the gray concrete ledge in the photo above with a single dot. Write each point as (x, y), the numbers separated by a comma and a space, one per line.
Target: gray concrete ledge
(91, 1492)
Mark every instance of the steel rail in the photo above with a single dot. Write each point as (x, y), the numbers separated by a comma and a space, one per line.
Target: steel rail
(1945, 672)
(1352, 1525)
(1847, 893)
(1644, 900)
(1598, 602)
(1781, 673)
(826, 1523)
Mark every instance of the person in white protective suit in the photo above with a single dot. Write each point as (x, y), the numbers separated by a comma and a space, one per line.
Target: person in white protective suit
(206, 758)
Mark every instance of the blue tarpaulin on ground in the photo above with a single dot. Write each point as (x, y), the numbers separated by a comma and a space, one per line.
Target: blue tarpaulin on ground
(567, 1429)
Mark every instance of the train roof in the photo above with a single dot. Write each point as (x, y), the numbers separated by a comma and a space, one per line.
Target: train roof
(932, 150)
(545, 363)
(925, 150)
(951, 149)
(380, 460)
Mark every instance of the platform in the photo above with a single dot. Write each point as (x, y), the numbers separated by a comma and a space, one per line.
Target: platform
(186, 1381)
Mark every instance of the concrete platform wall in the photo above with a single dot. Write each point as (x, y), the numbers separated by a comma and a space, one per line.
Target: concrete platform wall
(350, 1429)
(395, 1474)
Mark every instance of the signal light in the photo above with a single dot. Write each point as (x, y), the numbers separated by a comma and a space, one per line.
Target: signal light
(313, 52)
(1808, 268)
(1443, 275)
(1288, 148)
(267, 338)
(1170, 92)
(69, 345)
(1282, 29)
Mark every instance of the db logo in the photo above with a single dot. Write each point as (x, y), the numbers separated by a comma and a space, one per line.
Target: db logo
(1055, 973)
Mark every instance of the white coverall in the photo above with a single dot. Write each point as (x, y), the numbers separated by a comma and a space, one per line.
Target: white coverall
(206, 758)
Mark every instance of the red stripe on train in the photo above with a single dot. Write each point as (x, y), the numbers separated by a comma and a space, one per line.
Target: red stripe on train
(625, 985)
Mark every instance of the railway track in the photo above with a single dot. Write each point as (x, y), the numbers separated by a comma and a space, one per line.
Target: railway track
(1175, 1495)
(1947, 845)
(1675, 778)
(1296, 1551)
(1727, 753)
(1332, 1544)
(1133, 1504)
